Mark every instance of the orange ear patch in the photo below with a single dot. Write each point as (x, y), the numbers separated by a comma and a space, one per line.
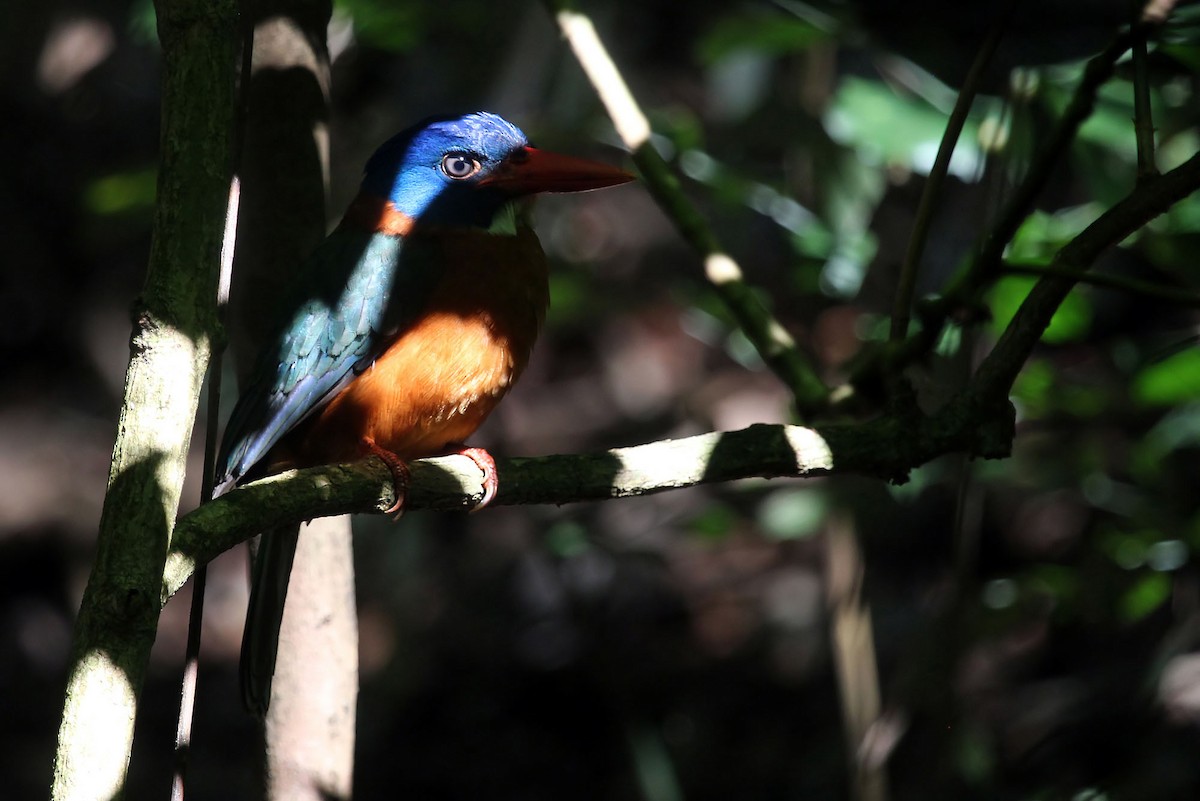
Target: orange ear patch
(369, 213)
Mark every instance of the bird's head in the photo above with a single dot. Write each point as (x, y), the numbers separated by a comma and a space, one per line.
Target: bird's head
(462, 170)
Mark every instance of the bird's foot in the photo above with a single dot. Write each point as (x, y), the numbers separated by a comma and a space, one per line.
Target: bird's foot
(400, 473)
(487, 465)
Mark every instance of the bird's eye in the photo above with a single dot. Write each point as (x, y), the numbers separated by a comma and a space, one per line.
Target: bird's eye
(459, 166)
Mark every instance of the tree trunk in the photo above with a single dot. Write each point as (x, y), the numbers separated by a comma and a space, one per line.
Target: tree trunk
(309, 728)
(175, 323)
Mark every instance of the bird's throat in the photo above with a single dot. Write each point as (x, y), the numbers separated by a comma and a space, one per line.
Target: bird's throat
(504, 221)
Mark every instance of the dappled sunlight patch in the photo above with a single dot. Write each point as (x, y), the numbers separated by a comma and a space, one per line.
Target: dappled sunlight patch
(107, 703)
(812, 451)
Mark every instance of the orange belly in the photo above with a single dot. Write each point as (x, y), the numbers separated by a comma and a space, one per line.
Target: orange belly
(438, 381)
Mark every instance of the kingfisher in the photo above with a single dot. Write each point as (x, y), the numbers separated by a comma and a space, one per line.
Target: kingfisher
(410, 322)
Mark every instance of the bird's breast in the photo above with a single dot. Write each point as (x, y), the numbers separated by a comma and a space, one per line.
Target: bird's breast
(441, 376)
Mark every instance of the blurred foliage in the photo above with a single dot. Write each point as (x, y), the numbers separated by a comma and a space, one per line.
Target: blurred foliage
(1069, 324)
(787, 514)
(763, 35)
(1174, 380)
(121, 192)
(384, 24)
(884, 126)
(1026, 611)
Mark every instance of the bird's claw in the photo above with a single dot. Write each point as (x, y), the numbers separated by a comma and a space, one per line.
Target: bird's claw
(400, 473)
(487, 465)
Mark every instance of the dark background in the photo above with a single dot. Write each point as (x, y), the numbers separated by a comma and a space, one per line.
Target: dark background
(1035, 619)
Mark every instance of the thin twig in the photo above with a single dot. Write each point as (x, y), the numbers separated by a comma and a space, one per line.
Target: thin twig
(1097, 72)
(191, 660)
(1148, 200)
(963, 288)
(1117, 283)
(1143, 118)
(909, 270)
(772, 341)
(852, 641)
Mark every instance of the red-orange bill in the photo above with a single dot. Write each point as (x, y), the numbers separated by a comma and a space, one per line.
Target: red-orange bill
(531, 170)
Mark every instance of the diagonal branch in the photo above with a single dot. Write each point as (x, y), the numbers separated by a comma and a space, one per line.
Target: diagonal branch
(1152, 196)
(986, 266)
(772, 341)
(909, 270)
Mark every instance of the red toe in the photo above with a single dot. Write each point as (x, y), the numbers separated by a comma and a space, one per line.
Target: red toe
(400, 472)
(487, 465)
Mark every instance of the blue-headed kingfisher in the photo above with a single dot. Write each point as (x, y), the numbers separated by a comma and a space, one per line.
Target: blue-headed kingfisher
(412, 320)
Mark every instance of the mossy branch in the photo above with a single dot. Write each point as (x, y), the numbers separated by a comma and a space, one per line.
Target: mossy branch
(174, 329)
(888, 447)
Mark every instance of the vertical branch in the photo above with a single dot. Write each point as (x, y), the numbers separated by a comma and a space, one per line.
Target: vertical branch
(853, 643)
(174, 328)
(1097, 72)
(195, 626)
(1143, 119)
(902, 306)
(772, 341)
(986, 266)
(309, 729)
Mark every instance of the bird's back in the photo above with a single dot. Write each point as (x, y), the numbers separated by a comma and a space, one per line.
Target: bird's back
(438, 378)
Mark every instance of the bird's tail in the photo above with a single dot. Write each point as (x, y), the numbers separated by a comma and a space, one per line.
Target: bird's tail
(268, 591)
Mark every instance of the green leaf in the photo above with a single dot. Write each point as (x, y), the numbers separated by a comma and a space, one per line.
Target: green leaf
(1181, 36)
(1109, 125)
(884, 126)
(567, 538)
(714, 523)
(1187, 55)
(1146, 595)
(1042, 235)
(1127, 551)
(1070, 323)
(1178, 428)
(853, 191)
(122, 192)
(386, 24)
(792, 514)
(1033, 388)
(1059, 582)
(975, 755)
(768, 34)
(572, 297)
(1173, 380)
(949, 342)
(143, 22)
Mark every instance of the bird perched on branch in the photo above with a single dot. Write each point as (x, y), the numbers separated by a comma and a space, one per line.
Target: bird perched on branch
(412, 320)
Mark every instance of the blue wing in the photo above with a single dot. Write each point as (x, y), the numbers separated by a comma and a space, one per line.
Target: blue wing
(361, 288)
